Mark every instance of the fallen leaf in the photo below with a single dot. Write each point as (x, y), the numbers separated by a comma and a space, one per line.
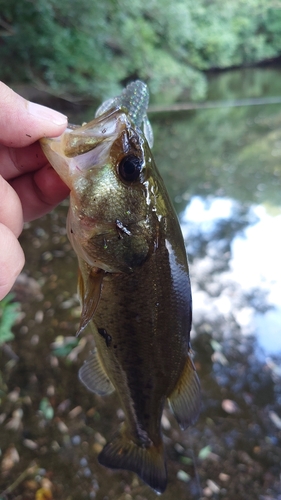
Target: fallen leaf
(183, 476)
(43, 494)
(229, 406)
(275, 419)
(213, 486)
(10, 458)
(204, 452)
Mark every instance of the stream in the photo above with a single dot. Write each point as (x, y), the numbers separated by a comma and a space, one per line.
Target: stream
(222, 168)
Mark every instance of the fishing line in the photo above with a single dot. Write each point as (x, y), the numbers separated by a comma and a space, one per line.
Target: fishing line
(187, 106)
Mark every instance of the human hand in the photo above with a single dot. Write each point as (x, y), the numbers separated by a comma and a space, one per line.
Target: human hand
(29, 187)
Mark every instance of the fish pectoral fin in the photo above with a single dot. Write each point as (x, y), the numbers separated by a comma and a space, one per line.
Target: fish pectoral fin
(185, 400)
(93, 376)
(148, 462)
(89, 290)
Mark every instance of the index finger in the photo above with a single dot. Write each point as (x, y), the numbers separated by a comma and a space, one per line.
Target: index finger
(18, 161)
(23, 122)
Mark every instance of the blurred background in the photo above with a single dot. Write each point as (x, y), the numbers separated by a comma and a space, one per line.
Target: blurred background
(214, 75)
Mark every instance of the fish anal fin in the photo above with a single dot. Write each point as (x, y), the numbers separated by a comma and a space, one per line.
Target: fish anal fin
(148, 462)
(89, 290)
(93, 376)
(185, 400)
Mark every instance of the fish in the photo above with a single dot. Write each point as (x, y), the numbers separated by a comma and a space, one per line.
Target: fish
(133, 279)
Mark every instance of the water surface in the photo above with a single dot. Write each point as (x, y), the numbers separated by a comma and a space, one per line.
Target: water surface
(223, 171)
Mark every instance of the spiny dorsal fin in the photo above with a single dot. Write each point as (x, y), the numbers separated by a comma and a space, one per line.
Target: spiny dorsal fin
(185, 400)
(148, 462)
(134, 98)
(93, 376)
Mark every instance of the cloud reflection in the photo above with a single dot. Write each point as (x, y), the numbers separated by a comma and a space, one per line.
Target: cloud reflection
(235, 255)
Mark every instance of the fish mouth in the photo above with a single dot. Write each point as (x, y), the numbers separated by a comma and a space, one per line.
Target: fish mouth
(80, 149)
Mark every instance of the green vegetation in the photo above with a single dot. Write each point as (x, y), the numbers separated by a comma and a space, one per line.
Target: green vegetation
(9, 313)
(232, 152)
(91, 48)
(46, 409)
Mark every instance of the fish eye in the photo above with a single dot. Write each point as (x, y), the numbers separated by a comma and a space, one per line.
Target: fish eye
(130, 168)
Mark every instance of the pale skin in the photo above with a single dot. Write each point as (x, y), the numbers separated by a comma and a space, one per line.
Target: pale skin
(29, 187)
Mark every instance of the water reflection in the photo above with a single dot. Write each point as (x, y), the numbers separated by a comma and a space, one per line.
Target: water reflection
(241, 250)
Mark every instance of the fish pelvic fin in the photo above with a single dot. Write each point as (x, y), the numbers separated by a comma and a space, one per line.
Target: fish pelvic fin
(89, 290)
(93, 376)
(146, 461)
(185, 400)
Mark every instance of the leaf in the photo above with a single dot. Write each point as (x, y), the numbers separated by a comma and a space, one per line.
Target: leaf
(65, 348)
(275, 419)
(183, 476)
(9, 313)
(10, 458)
(204, 452)
(43, 494)
(230, 406)
(186, 460)
(46, 408)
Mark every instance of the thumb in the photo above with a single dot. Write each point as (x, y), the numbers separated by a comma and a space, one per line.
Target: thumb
(11, 260)
(23, 122)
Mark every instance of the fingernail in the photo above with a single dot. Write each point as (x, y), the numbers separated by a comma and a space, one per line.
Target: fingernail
(46, 114)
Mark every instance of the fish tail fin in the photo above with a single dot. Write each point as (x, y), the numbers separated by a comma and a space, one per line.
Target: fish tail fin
(148, 462)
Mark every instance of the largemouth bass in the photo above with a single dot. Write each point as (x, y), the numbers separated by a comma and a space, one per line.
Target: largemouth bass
(133, 280)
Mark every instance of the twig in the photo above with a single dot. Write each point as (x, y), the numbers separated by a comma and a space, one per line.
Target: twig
(9, 352)
(30, 471)
(9, 30)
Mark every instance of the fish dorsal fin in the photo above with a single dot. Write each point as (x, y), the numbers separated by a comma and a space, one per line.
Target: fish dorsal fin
(148, 132)
(93, 376)
(134, 99)
(105, 106)
(185, 400)
(122, 452)
(89, 290)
